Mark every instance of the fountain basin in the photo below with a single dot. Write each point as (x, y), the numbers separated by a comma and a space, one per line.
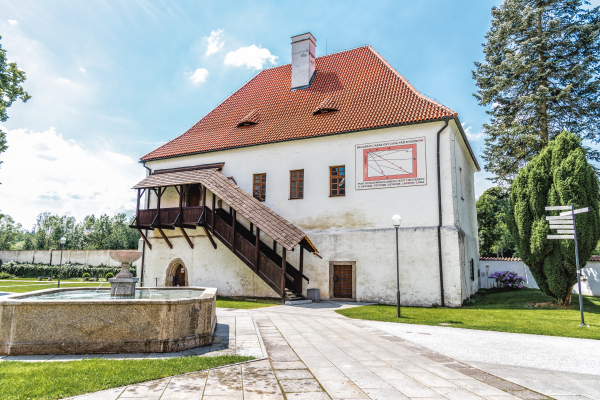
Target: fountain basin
(65, 321)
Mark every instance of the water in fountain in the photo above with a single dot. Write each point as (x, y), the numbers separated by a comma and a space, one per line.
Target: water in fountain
(99, 286)
(157, 294)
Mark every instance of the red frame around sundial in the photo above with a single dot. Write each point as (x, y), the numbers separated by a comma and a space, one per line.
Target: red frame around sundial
(366, 152)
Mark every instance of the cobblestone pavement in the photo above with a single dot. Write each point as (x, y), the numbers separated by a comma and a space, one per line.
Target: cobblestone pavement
(315, 354)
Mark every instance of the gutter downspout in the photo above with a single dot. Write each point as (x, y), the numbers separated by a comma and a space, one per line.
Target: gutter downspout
(439, 228)
(144, 242)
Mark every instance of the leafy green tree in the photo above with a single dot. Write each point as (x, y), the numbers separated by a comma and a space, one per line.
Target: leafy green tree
(541, 76)
(492, 210)
(11, 78)
(558, 176)
(28, 243)
(92, 233)
(8, 232)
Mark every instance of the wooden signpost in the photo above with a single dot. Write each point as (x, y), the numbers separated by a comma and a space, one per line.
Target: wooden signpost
(567, 229)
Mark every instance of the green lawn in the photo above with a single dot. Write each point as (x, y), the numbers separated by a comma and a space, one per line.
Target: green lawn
(23, 287)
(503, 312)
(52, 380)
(30, 281)
(245, 303)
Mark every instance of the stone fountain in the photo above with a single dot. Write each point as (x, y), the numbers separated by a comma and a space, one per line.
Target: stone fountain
(124, 283)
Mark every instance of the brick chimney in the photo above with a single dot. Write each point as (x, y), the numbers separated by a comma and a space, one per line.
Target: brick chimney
(303, 60)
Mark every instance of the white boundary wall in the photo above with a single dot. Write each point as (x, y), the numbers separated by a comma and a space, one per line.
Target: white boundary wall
(590, 275)
(94, 258)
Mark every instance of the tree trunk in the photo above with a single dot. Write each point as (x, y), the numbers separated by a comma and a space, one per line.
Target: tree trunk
(567, 300)
(543, 82)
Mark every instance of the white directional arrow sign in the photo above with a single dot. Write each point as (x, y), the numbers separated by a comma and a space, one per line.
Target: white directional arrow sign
(553, 208)
(561, 224)
(567, 217)
(578, 211)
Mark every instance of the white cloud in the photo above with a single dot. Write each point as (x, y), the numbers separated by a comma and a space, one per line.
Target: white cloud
(473, 137)
(13, 21)
(199, 75)
(82, 69)
(214, 43)
(251, 57)
(44, 172)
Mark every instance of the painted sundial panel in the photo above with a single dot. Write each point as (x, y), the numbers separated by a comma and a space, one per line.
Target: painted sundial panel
(391, 163)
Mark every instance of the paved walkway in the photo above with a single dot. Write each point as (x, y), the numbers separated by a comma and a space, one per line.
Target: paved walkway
(516, 349)
(314, 353)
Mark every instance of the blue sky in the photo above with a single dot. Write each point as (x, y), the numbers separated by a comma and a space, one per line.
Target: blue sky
(112, 80)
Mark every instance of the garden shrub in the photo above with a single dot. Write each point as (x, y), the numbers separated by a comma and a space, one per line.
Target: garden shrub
(109, 275)
(558, 176)
(508, 280)
(69, 270)
(4, 275)
(85, 275)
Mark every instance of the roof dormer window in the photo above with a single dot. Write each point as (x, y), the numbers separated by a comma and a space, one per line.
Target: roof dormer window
(251, 119)
(327, 105)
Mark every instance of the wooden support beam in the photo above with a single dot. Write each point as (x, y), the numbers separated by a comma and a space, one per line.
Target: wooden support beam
(185, 235)
(233, 223)
(203, 216)
(299, 285)
(181, 206)
(283, 265)
(257, 245)
(165, 237)
(159, 195)
(145, 239)
(212, 219)
(137, 210)
(251, 227)
(274, 246)
(212, 241)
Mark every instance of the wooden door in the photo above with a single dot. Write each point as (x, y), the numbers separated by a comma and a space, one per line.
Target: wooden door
(179, 278)
(342, 281)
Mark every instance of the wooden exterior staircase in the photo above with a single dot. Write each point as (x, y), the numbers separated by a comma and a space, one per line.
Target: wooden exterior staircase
(274, 269)
(285, 279)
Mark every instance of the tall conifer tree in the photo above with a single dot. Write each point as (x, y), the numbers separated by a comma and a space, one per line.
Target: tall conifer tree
(541, 76)
(558, 176)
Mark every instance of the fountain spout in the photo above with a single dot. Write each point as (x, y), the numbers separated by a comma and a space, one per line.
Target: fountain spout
(124, 283)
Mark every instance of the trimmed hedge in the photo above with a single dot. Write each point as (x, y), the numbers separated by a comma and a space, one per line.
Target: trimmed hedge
(68, 270)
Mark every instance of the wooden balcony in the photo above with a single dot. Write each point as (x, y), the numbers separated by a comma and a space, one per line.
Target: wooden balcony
(194, 212)
(170, 218)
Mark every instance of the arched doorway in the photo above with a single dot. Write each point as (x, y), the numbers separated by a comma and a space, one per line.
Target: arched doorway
(177, 274)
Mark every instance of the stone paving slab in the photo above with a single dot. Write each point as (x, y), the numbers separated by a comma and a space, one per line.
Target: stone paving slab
(316, 354)
(543, 352)
(352, 361)
(554, 384)
(244, 381)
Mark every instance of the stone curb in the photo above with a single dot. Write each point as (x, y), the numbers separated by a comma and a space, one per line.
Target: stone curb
(260, 339)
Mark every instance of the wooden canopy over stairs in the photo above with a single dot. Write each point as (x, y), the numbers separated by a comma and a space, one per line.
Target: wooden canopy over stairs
(271, 267)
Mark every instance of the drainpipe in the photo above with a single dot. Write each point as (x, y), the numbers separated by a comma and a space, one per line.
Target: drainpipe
(144, 242)
(439, 228)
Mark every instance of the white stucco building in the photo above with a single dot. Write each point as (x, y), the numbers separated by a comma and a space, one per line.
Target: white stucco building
(331, 148)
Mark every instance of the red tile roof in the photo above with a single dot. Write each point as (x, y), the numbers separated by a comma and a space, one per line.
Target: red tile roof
(368, 92)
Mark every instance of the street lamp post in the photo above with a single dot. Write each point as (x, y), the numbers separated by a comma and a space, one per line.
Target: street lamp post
(396, 221)
(62, 243)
